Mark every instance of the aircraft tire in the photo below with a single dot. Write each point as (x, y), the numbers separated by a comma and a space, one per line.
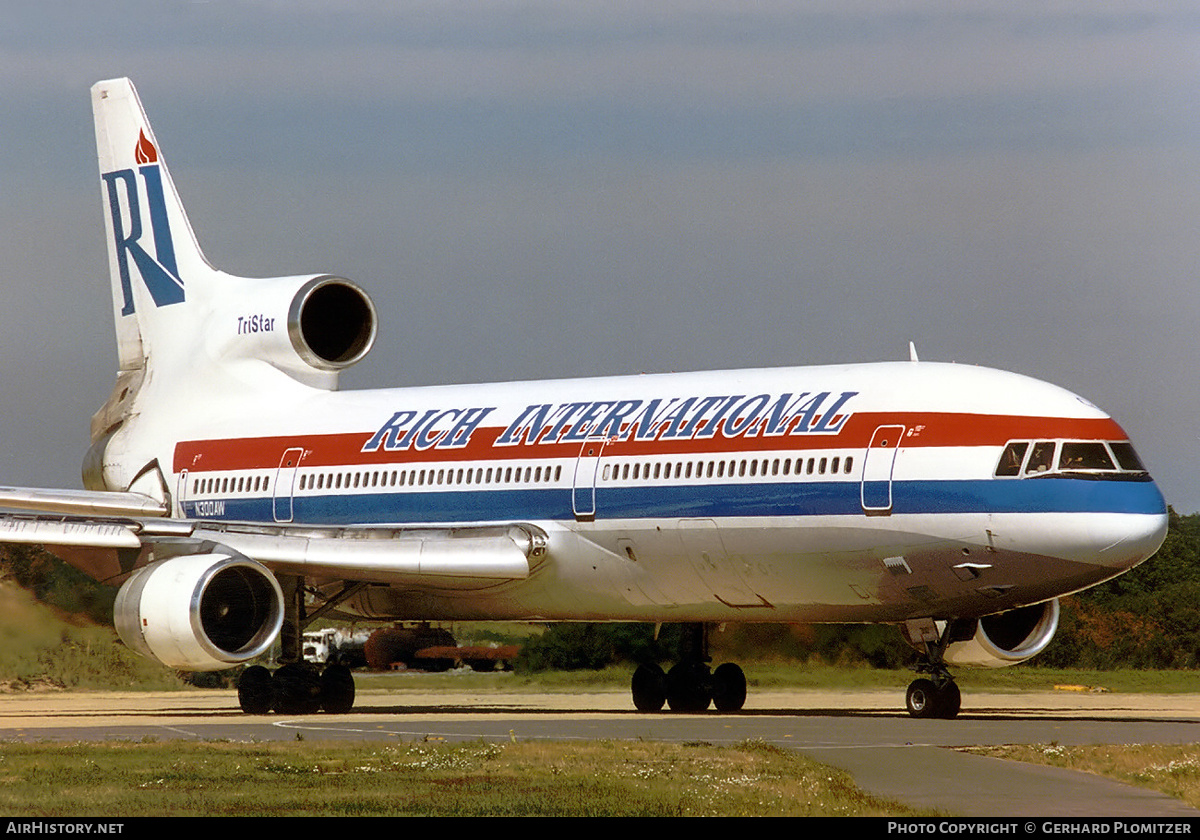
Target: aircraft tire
(949, 701)
(256, 690)
(728, 688)
(688, 687)
(649, 687)
(337, 689)
(297, 689)
(922, 699)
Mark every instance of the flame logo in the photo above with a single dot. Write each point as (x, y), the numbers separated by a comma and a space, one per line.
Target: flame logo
(145, 152)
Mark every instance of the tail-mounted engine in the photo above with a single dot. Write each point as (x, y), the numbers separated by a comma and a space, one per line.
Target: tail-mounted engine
(202, 612)
(331, 323)
(308, 327)
(1006, 638)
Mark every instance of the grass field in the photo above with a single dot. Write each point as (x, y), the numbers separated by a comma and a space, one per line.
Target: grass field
(592, 779)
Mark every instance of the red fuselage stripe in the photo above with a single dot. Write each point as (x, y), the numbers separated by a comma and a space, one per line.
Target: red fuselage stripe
(921, 429)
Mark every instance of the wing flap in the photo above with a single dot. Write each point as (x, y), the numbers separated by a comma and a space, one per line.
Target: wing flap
(33, 530)
(103, 503)
(399, 556)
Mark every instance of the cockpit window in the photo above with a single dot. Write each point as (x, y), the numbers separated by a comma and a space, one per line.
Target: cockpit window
(1076, 459)
(1010, 460)
(1091, 455)
(1126, 457)
(1042, 457)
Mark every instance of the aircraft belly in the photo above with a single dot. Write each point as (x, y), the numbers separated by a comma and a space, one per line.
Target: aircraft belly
(844, 569)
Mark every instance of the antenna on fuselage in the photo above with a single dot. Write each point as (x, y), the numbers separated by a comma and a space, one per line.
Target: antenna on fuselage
(912, 352)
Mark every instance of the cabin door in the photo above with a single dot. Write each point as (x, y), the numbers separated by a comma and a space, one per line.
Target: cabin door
(877, 470)
(583, 488)
(285, 479)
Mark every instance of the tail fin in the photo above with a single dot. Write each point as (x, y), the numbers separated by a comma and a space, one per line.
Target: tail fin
(154, 261)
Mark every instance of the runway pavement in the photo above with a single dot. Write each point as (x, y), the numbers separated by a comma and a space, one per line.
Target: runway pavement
(864, 732)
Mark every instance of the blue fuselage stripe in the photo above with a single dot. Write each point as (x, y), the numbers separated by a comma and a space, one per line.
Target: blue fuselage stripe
(827, 498)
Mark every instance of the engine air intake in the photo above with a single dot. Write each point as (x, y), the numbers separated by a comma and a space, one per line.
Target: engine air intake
(331, 323)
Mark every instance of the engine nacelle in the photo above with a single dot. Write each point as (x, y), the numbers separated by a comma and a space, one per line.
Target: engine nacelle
(301, 325)
(200, 612)
(1007, 638)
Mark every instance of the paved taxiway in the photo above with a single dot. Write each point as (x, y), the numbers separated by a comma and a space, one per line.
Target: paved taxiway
(863, 732)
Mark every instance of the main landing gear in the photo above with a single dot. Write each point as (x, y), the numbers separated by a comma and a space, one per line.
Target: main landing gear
(937, 695)
(689, 686)
(298, 687)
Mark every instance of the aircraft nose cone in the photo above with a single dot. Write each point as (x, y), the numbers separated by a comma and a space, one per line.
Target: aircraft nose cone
(1127, 539)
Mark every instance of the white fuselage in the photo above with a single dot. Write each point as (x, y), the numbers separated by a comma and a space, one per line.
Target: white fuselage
(841, 493)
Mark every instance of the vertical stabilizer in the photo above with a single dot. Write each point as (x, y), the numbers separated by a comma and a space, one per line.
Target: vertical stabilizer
(154, 262)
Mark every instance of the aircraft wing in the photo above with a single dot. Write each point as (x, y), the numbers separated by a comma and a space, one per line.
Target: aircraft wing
(81, 502)
(109, 534)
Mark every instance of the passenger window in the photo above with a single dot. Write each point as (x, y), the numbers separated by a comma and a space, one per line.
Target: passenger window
(1042, 457)
(1011, 458)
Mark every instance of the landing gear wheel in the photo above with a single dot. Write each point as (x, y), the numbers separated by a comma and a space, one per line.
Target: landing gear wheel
(688, 687)
(256, 691)
(949, 700)
(728, 688)
(922, 699)
(926, 699)
(649, 688)
(297, 689)
(337, 690)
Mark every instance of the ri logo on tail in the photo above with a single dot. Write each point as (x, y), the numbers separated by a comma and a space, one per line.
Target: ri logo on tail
(159, 271)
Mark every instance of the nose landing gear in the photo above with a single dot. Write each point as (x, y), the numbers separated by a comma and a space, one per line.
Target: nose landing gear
(926, 698)
(935, 696)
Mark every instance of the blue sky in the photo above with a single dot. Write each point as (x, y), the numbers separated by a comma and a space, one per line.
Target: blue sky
(546, 189)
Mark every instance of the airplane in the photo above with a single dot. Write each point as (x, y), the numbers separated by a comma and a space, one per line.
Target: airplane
(236, 495)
